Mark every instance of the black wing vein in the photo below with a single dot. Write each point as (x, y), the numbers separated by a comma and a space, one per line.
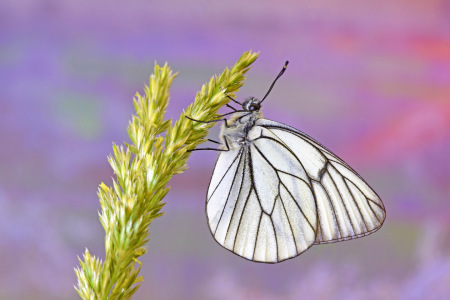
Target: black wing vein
(231, 189)
(225, 174)
(344, 192)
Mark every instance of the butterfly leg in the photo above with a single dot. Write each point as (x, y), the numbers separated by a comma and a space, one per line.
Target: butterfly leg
(234, 100)
(213, 141)
(211, 121)
(221, 117)
(214, 149)
(234, 109)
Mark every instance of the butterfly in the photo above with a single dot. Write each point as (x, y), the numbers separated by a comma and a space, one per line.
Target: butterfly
(275, 191)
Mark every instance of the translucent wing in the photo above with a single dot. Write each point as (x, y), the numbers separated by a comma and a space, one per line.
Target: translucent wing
(347, 207)
(260, 203)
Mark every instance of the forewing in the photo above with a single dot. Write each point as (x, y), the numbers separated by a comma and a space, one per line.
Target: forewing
(347, 207)
(259, 212)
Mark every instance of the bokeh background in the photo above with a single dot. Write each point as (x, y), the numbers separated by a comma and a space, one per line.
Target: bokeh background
(369, 79)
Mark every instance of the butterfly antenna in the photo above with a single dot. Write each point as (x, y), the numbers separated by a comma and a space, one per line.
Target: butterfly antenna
(273, 83)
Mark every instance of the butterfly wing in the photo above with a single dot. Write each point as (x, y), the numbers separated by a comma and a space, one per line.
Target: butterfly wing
(258, 211)
(347, 207)
(274, 198)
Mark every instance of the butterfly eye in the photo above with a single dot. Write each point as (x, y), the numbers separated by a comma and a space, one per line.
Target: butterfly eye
(253, 107)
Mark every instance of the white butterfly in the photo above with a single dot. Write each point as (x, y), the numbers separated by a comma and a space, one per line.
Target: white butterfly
(275, 191)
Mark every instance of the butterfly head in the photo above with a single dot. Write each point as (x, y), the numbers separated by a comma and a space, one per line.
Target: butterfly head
(251, 104)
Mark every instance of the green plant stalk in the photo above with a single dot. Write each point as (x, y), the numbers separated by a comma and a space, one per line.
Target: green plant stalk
(143, 169)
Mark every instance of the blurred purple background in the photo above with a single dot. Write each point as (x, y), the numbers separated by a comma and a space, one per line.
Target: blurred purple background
(369, 79)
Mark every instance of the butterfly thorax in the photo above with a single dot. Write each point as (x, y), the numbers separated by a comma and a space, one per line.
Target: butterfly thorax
(239, 125)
